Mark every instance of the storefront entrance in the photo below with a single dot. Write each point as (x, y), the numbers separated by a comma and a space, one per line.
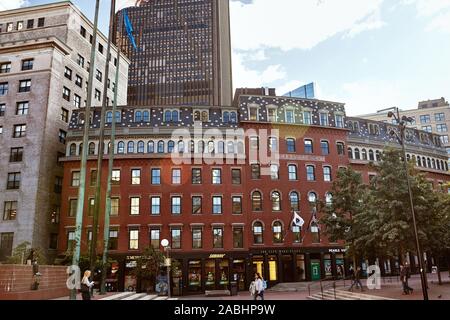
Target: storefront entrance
(288, 270)
(315, 270)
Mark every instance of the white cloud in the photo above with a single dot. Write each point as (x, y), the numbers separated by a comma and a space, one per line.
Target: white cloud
(244, 76)
(293, 24)
(373, 22)
(441, 22)
(438, 11)
(12, 4)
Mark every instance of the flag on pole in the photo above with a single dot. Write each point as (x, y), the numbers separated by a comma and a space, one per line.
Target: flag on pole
(297, 221)
(123, 5)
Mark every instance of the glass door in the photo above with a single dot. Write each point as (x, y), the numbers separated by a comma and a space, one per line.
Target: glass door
(195, 276)
(239, 274)
(210, 275)
(224, 271)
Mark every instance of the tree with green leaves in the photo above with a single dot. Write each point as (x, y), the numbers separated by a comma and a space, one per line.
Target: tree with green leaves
(148, 267)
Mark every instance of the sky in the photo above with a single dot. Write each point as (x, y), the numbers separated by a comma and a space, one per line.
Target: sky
(370, 54)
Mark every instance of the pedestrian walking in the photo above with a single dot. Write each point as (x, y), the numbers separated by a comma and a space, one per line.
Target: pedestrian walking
(405, 274)
(356, 279)
(86, 285)
(259, 287)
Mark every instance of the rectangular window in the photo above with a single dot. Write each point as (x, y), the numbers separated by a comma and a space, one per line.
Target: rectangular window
(9, 27)
(100, 48)
(93, 178)
(27, 64)
(10, 210)
(425, 118)
(197, 241)
(4, 88)
(256, 171)
(133, 239)
(325, 147)
(290, 145)
(25, 85)
(274, 172)
(254, 143)
(307, 118)
(292, 171)
(340, 149)
(6, 243)
(91, 206)
(82, 31)
(115, 205)
(73, 203)
(115, 177)
(134, 206)
(217, 205)
(236, 176)
(216, 176)
(20, 130)
(176, 205)
(66, 94)
(80, 61)
(254, 114)
(196, 176)
(156, 176)
(217, 238)
(324, 119)
(22, 108)
(19, 25)
(79, 81)
(444, 139)
(13, 181)
(290, 118)
(197, 205)
(5, 67)
(327, 174)
(135, 176)
(113, 243)
(70, 240)
(65, 115)
(77, 101)
(16, 154)
(439, 117)
(339, 121)
(156, 205)
(428, 129)
(98, 95)
(1, 129)
(441, 128)
(176, 176)
(30, 24)
(272, 117)
(62, 136)
(68, 73)
(155, 236)
(309, 147)
(176, 238)
(98, 75)
(238, 238)
(41, 22)
(310, 173)
(297, 231)
(237, 205)
(75, 181)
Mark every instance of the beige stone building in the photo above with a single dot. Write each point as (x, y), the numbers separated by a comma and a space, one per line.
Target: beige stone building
(44, 63)
(431, 116)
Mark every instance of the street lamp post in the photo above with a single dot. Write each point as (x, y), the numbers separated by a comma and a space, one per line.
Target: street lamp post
(166, 246)
(401, 139)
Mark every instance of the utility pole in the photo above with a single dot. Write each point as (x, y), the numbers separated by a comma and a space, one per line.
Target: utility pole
(402, 125)
(110, 166)
(101, 149)
(87, 117)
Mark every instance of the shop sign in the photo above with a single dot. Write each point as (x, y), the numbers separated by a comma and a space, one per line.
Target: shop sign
(337, 250)
(216, 256)
(301, 157)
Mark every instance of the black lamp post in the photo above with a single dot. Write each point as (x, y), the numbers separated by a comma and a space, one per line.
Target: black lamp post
(401, 139)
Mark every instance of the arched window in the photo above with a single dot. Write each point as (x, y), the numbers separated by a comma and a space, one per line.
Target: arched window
(364, 154)
(233, 117)
(276, 201)
(371, 155)
(168, 116)
(226, 117)
(424, 162)
(130, 148)
(315, 232)
(433, 161)
(151, 147)
(138, 116)
(181, 146)
(73, 149)
(170, 146)
(328, 199)
(221, 147)
(295, 201)
(357, 156)
(230, 147)
(160, 146)
(256, 201)
(109, 117)
(310, 173)
(290, 145)
(146, 116)
(205, 116)
(211, 147)
(91, 150)
(258, 233)
(378, 156)
(118, 117)
(197, 116)
(192, 146)
(277, 230)
(429, 162)
(141, 147)
(121, 147)
(438, 163)
(312, 197)
(350, 153)
(201, 146)
(80, 149)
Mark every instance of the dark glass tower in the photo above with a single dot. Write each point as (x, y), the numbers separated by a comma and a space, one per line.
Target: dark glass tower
(184, 53)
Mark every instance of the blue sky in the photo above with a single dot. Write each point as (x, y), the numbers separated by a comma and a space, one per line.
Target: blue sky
(369, 54)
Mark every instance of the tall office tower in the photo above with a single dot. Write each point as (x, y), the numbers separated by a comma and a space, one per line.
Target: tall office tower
(44, 63)
(183, 54)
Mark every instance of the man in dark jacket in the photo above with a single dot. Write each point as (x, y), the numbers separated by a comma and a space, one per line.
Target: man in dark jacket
(356, 279)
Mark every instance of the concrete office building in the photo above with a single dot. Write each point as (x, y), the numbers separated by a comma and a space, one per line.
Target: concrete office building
(44, 62)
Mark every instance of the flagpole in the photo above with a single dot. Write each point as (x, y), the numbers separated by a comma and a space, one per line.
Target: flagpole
(84, 153)
(101, 149)
(110, 167)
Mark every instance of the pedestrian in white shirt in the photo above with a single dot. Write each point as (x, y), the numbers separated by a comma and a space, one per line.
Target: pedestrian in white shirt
(86, 286)
(259, 287)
